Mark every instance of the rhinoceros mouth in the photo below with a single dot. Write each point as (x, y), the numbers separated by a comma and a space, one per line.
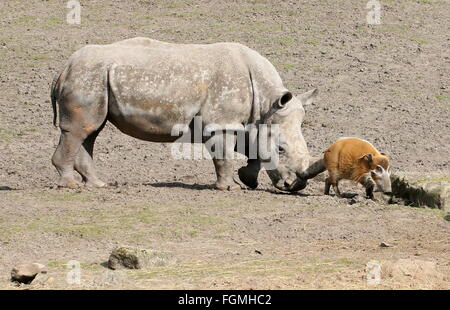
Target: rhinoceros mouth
(298, 185)
(292, 186)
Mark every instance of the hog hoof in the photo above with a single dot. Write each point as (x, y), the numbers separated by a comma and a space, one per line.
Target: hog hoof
(248, 178)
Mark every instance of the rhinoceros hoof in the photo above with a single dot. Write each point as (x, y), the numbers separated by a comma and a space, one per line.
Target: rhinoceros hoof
(68, 183)
(96, 184)
(248, 178)
(227, 187)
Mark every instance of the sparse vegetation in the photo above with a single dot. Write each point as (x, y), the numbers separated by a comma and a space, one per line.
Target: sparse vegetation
(384, 82)
(419, 41)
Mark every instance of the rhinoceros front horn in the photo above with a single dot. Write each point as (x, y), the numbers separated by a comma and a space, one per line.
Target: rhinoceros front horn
(317, 167)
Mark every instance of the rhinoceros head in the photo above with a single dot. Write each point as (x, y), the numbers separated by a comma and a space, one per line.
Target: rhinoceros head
(293, 157)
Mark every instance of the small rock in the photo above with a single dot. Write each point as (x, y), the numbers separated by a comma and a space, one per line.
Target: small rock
(385, 245)
(125, 257)
(134, 258)
(412, 269)
(43, 279)
(26, 273)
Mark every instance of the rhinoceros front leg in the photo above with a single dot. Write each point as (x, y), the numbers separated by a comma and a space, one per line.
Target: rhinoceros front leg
(224, 171)
(222, 153)
(249, 174)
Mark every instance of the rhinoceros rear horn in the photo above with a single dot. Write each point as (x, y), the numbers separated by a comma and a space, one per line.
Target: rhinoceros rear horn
(284, 99)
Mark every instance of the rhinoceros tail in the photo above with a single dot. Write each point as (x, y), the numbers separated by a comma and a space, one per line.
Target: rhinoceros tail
(54, 96)
(54, 107)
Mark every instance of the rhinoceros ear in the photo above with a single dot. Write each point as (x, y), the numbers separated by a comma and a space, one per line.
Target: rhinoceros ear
(308, 97)
(283, 100)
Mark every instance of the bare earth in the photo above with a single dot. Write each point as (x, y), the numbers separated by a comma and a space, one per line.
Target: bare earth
(387, 83)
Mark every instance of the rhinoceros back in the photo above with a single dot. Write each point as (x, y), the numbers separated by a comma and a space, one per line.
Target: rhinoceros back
(150, 86)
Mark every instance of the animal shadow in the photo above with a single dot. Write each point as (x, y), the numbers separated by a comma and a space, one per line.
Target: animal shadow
(194, 186)
(348, 195)
(278, 192)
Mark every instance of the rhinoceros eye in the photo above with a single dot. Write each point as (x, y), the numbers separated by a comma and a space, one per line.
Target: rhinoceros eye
(281, 150)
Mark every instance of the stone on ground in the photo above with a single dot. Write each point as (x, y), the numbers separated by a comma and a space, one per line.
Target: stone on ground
(26, 273)
(135, 258)
(412, 270)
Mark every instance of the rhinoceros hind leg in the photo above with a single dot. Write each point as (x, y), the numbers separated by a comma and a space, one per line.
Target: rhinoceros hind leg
(84, 162)
(64, 157)
(249, 174)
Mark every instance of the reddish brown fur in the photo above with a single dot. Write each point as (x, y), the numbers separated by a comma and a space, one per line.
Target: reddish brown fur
(345, 159)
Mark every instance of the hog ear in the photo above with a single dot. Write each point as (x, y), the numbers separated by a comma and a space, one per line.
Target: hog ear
(308, 97)
(283, 100)
(367, 158)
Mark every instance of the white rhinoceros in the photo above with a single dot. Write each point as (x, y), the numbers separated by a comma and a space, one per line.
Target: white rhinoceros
(145, 87)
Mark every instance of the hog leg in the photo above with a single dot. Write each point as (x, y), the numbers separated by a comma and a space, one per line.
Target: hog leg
(369, 184)
(332, 180)
(336, 189)
(84, 163)
(327, 186)
(223, 160)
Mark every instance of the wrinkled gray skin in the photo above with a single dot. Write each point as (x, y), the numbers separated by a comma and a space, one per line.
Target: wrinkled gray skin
(144, 87)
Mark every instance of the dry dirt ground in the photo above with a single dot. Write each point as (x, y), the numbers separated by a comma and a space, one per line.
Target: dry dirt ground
(387, 83)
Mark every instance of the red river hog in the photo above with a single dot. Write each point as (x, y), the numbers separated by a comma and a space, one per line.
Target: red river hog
(357, 160)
